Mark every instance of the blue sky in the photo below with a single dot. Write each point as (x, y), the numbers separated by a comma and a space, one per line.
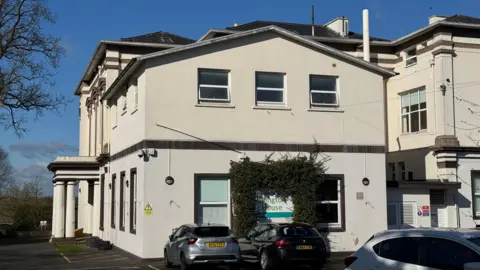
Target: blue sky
(81, 24)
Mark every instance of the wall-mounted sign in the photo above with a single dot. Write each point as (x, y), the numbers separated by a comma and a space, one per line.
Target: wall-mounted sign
(426, 210)
(274, 208)
(148, 209)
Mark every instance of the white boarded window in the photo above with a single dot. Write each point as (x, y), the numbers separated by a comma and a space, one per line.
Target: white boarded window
(213, 85)
(269, 88)
(414, 111)
(323, 91)
(213, 201)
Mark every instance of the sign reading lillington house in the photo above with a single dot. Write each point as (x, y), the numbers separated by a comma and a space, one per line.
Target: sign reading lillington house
(274, 208)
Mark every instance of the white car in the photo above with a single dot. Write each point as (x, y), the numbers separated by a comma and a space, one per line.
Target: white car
(419, 249)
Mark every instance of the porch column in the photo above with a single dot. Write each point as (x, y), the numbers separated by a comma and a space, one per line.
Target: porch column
(54, 205)
(96, 209)
(70, 220)
(89, 209)
(59, 209)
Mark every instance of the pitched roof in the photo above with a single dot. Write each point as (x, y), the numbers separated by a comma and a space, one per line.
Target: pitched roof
(160, 37)
(135, 62)
(463, 19)
(301, 29)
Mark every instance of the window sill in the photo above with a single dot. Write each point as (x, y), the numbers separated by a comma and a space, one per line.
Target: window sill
(412, 134)
(270, 107)
(411, 65)
(210, 105)
(326, 109)
(134, 110)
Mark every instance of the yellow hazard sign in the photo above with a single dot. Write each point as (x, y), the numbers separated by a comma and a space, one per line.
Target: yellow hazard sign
(148, 209)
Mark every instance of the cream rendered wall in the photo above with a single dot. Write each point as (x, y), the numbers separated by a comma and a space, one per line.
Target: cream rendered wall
(466, 83)
(174, 205)
(172, 91)
(130, 126)
(410, 78)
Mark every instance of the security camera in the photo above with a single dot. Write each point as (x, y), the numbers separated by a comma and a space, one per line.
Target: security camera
(140, 153)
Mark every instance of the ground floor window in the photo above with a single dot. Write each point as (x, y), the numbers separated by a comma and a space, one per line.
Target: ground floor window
(476, 193)
(401, 215)
(112, 203)
(330, 203)
(133, 200)
(122, 201)
(212, 198)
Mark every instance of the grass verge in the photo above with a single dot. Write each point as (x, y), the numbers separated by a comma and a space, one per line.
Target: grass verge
(70, 249)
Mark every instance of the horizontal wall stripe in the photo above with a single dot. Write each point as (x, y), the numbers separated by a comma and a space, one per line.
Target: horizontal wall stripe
(247, 146)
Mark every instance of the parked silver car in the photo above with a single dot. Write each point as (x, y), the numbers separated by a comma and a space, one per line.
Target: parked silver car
(200, 244)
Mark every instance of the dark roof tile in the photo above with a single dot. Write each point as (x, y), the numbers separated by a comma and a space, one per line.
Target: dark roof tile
(301, 29)
(160, 37)
(463, 19)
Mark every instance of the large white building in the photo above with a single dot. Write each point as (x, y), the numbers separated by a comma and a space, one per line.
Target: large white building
(161, 105)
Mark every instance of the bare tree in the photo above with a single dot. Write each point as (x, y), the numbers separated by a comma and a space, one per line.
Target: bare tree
(28, 57)
(6, 170)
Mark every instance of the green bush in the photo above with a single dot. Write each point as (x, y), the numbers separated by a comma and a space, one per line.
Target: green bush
(289, 176)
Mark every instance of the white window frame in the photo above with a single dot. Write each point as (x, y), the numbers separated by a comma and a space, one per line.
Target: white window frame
(226, 203)
(475, 176)
(227, 87)
(407, 57)
(319, 91)
(409, 114)
(339, 206)
(284, 96)
(135, 93)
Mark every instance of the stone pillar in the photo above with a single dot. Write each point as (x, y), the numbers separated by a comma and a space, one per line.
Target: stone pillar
(54, 205)
(59, 209)
(96, 209)
(70, 216)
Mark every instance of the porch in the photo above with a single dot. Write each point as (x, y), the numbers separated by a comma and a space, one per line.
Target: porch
(68, 174)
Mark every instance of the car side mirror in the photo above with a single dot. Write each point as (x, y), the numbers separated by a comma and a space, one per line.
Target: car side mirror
(171, 237)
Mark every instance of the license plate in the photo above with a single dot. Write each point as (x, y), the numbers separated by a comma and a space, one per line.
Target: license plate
(304, 247)
(215, 244)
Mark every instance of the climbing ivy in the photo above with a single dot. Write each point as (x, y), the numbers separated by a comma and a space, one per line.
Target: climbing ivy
(289, 176)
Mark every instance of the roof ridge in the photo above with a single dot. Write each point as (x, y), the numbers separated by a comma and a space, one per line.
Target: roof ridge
(157, 32)
(257, 21)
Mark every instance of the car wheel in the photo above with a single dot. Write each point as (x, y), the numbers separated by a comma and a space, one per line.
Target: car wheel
(265, 261)
(168, 263)
(183, 263)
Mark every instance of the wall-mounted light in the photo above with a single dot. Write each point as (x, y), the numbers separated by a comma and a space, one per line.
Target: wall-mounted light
(366, 181)
(126, 183)
(109, 185)
(169, 180)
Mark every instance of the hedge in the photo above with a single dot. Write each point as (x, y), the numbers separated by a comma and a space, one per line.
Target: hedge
(289, 176)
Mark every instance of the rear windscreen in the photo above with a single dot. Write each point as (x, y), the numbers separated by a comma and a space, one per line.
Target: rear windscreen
(289, 231)
(212, 231)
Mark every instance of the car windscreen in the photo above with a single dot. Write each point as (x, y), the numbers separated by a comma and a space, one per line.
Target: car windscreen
(294, 231)
(476, 241)
(212, 231)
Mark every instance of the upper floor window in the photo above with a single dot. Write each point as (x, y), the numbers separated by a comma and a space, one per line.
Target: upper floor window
(269, 88)
(411, 57)
(323, 91)
(414, 111)
(213, 85)
(135, 93)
